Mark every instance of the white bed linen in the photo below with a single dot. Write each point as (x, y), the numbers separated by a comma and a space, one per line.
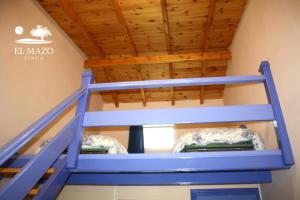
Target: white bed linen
(96, 141)
(218, 135)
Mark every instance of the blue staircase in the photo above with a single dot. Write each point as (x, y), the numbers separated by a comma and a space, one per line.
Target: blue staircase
(241, 167)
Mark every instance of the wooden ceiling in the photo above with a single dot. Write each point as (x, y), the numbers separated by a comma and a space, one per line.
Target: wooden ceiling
(128, 40)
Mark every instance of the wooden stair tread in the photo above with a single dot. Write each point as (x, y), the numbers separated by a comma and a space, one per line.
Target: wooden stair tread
(33, 192)
(17, 170)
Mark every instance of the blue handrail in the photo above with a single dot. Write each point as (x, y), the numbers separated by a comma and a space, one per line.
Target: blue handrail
(24, 137)
(176, 82)
(32, 172)
(36, 167)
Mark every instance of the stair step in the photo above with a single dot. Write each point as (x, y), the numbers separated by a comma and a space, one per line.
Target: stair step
(33, 192)
(17, 170)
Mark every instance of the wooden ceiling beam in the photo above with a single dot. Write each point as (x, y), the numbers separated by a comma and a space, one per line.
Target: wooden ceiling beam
(166, 25)
(209, 22)
(168, 43)
(140, 78)
(142, 90)
(68, 9)
(172, 93)
(155, 59)
(114, 93)
(120, 16)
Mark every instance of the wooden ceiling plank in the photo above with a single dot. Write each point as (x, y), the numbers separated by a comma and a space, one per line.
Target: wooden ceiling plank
(146, 26)
(168, 44)
(83, 29)
(202, 88)
(66, 6)
(210, 18)
(156, 59)
(120, 16)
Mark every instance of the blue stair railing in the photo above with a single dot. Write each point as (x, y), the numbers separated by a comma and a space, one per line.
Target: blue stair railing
(20, 185)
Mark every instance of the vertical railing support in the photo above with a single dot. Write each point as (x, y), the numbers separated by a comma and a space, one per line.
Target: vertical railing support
(281, 131)
(75, 146)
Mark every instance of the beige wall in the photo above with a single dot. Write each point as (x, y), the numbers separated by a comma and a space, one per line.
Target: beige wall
(270, 30)
(31, 88)
(135, 192)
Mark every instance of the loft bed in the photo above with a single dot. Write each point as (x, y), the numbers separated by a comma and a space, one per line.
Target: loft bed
(207, 139)
(202, 140)
(226, 167)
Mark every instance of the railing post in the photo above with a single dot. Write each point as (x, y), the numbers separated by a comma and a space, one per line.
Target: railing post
(75, 146)
(280, 128)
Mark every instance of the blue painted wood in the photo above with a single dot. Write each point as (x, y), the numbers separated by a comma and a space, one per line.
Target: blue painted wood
(24, 181)
(179, 116)
(53, 185)
(21, 160)
(176, 82)
(17, 161)
(228, 193)
(182, 162)
(82, 104)
(282, 135)
(238, 164)
(203, 178)
(241, 177)
(18, 142)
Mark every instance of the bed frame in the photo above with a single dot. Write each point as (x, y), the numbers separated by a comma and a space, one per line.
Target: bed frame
(237, 167)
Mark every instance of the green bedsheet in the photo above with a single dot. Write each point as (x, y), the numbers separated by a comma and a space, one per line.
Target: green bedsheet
(247, 145)
(92, 150)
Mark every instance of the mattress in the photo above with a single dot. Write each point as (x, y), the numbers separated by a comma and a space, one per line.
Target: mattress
(93, 142)
(97, 144)
(219, 139)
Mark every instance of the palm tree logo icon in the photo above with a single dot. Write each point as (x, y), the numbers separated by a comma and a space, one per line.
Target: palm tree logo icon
(40, 32)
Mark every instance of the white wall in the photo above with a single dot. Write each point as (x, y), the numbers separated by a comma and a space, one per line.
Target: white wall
(269, 30)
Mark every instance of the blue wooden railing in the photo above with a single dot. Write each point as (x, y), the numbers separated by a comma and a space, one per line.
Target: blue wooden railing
(22, 139)
(212, 165)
